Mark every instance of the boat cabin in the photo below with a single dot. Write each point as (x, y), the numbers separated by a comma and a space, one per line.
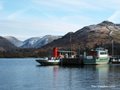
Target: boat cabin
(67, 54)
(63, 53)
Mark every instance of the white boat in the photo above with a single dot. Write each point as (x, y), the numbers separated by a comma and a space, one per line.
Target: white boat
(47, 61)
(99, 56)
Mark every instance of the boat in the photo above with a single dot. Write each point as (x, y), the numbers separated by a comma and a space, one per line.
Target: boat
(115, 60)
(55, 60)
(60, 57)
(48, 61)
(98, 56)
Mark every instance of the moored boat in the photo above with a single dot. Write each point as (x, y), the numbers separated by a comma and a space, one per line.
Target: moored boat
(47, 61)
(98, 56)
(115, 60)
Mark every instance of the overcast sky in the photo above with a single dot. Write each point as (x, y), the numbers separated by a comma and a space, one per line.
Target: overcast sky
(28, 18)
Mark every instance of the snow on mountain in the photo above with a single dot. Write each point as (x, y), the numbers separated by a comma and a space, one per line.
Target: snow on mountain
(34, 42)
(45, 40)
(37, 42)
(29, 43)
(14, 41)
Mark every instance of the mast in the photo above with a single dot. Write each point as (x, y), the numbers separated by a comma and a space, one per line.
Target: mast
(70, 45)
(112, 48)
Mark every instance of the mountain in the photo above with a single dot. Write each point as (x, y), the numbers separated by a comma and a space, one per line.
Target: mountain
(37, 42)
(29, 43)
(45, 40)
(101, 34)
(88, 37)
(14, 41)
(5, 45)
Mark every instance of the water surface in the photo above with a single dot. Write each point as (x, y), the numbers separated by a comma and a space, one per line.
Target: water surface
(27, 74)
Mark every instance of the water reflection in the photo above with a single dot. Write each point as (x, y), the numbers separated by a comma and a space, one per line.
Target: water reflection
(87, 77)
(114, 75)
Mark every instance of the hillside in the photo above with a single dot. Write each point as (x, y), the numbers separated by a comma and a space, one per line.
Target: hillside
(5, 45)
(88, 37)
(14, 41)
(91, 36)
(29, 43)
(37, 42)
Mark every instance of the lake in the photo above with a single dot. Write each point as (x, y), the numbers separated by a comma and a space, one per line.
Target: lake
(27, 74)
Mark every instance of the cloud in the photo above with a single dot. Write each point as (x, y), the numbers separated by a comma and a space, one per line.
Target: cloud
(41, 17)
(77, 5)
(16, 14)
(52, 25)
(20, 22)
(65, 5)
(115, 17)
(36, 28)
(106, 4)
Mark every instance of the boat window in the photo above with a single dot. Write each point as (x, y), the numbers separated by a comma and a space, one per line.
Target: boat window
(102, 53)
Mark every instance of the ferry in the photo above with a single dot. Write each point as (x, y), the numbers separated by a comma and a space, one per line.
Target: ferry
(50, 60)
(60, 57)
(98, 56)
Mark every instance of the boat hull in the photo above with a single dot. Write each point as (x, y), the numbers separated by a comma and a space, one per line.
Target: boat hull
(48, 62)
(71, 61)
(96, 61)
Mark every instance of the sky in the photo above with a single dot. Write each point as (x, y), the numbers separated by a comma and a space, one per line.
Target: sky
(35, 18)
